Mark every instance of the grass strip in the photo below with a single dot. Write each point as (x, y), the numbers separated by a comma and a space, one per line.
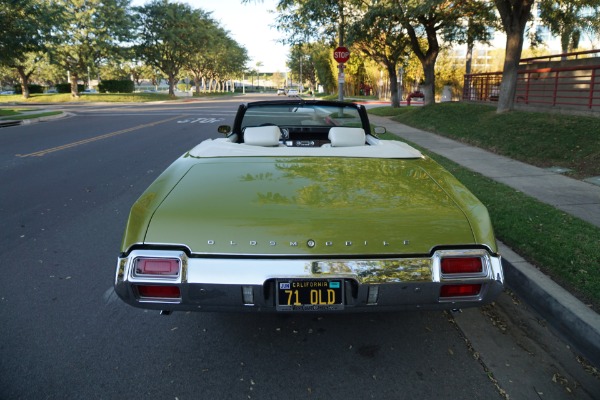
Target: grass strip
(8, 112)
(104, 97)
(564, 247)
(540, 139)
(87, 97)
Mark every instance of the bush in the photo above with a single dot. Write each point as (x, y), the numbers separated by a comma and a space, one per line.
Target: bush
(116, 86)
(32, 89)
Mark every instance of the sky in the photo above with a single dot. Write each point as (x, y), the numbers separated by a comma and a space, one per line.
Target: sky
(251, 26)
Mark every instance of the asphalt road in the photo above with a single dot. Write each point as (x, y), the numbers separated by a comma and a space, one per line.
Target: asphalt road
(66, 188)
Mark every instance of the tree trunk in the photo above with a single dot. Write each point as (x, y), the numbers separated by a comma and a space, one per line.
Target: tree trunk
(391, 68)
(24, 78)
(74, 89)
(508, 87)
(172, 85)
(197, 82)
(427, 58)
(428, 86)
(469, 61)
(468, 89)
(515, 15)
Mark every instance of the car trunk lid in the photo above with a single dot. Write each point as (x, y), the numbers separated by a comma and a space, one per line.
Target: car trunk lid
(309, 206)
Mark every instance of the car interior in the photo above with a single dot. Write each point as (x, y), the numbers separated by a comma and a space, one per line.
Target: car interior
(302, 125)
(272, 135)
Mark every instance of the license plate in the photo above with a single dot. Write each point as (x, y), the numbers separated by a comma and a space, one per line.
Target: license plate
(310, 295)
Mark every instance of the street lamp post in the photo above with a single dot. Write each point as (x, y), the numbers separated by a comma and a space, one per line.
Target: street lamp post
(400, 83)
(300, 81)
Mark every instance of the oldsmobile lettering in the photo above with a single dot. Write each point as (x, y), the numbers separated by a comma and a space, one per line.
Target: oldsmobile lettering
(310, 243)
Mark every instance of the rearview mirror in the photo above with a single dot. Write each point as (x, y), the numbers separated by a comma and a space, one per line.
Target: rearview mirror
(224, 129)
(379, 130)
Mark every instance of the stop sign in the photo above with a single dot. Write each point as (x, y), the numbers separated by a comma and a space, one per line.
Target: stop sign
(341, 54)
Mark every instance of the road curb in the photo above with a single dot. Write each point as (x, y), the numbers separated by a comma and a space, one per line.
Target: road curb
(17, 122)
(573, 320)
(9, 123)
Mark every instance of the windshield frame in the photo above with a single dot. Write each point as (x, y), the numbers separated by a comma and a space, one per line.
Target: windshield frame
(311, 113)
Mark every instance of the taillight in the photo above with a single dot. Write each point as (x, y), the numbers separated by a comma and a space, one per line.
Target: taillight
(461, 265)
(460, 290)
(153, 291)
(157, 266)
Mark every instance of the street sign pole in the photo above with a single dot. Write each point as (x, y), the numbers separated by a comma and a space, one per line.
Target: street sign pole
(341, 81)
(341, 55)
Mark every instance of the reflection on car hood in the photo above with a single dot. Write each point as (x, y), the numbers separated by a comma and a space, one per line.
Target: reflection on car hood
(315, 206)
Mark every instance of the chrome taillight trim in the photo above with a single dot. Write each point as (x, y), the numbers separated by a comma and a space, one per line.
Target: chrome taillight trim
(488, 270)
(166, 276)
(133, 258)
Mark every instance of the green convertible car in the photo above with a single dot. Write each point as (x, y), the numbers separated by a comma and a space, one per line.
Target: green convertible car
(301, 208)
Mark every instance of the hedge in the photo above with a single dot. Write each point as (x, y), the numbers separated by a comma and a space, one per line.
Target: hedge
(32, 89)
(66, 88)
(116, 86)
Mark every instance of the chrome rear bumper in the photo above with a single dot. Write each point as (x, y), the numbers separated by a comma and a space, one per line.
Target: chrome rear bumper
(248, 284)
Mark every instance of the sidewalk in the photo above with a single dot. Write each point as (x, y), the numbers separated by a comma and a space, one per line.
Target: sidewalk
(574, 320)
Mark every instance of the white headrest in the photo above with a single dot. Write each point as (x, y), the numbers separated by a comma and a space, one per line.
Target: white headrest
(262, 135)
(346, 137)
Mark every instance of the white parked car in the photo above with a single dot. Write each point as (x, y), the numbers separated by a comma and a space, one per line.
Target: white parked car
(292, 92)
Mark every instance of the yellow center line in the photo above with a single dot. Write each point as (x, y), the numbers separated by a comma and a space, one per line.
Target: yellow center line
(94, 139)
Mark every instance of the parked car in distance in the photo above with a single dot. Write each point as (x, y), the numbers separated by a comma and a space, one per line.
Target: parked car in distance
(302, 208)
(280, 92)
(292, 92)
(8, 92)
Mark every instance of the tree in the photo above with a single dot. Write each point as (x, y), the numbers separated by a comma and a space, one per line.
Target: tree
(26, 25)
(222, 59)
(448, 72)
(302, 65)
(324, 21)
(568, 19)
(201, 62)
(514, 15)
(324, 66)
(46, 73)
(303, 20)
(225, 59)
(380, 36)
(317, 65)
(233, 60)
(479, 18)
(170, 34)
(425, 23)
(89, 32)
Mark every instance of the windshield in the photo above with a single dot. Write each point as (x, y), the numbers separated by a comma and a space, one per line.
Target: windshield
(301, 114)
